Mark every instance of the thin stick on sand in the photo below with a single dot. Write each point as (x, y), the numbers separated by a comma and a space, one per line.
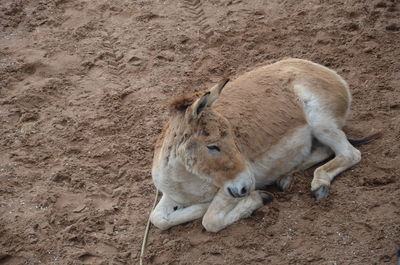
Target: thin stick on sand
(146, 231)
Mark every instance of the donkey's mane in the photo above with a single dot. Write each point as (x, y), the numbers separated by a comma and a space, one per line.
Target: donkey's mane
(181, 103)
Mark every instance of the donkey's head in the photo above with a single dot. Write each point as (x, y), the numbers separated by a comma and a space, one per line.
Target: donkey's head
(205, 143)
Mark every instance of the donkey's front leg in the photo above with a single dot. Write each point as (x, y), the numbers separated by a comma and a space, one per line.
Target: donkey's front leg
(167, 213)
(225, 210)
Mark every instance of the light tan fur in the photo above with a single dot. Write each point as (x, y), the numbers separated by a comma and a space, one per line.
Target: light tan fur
(218, 147)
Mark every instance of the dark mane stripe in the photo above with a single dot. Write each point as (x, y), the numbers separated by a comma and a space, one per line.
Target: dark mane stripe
(181, 103)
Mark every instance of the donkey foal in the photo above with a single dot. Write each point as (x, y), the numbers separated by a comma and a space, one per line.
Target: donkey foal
(213, 155)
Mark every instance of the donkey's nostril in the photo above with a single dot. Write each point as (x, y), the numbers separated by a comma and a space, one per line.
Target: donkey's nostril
(231, 193)
(243, 191)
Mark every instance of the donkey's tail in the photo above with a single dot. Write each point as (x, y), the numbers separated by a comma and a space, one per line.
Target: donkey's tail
(365, 140)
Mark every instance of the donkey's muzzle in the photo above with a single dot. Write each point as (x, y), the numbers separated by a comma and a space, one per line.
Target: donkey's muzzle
(238, 192)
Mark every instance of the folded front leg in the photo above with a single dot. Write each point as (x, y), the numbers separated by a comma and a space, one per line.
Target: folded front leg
(168, 213)
(225, 210)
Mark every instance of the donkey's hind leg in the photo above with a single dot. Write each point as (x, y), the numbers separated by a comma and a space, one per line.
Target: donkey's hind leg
(285, 182)
(318, 154)
(345, 157)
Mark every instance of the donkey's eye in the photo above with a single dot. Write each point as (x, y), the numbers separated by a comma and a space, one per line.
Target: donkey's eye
(213, 148)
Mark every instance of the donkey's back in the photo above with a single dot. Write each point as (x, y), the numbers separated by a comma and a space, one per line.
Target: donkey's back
(270, 102)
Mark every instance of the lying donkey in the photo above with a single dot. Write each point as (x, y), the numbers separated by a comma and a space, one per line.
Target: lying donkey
(213, 155)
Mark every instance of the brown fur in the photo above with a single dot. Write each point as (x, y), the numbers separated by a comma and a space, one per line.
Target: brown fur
(262, 106)
(324, 84)
(259, 114)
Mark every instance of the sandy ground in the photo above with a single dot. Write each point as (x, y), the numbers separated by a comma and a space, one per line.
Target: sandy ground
(83, 90)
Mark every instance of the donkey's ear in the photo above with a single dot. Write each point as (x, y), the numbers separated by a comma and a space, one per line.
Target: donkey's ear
(199, 105)
(216, 90)
(207, 99)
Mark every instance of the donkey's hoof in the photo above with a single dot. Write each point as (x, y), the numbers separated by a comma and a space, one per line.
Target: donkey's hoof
(266, 197)
(321, 192)
(284, 182)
